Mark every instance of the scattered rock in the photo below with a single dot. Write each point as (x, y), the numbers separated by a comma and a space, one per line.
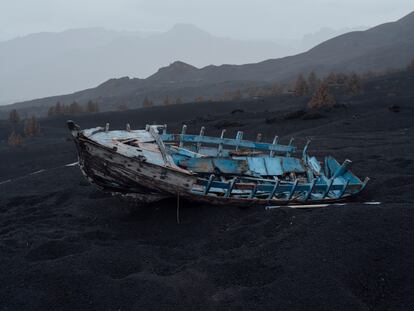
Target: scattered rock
(394, 108)
(271, 120)
(227, 123)
(312, 116)
(294, 114)
(237, 111)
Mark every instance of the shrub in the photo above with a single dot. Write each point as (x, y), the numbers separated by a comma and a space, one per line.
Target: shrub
(313, 81)
(353, 84)
(301, 86)
(14, 116)
(147, 103)
(15, 140)
(322, 98)
(31, 127)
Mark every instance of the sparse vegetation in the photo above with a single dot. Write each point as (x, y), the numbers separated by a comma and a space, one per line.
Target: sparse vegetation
(252, 91)
(14, 116)
(411, 65)
(74, 108)
(122, 107)
(353, 83)
(276, 89)
(237, 95)
(330, 79)
(301, 87)
(199, 99)
(166, 101)
(313, 81)
(15, 140)
(322, 98)
(147, 103)
(92, 107)
(31, 127)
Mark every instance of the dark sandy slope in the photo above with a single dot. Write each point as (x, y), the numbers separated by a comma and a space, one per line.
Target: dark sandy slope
(66, 246)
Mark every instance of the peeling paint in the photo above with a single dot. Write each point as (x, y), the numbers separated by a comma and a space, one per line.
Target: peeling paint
(148, 166)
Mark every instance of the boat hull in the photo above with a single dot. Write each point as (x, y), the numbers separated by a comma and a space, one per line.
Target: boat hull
(144, 171)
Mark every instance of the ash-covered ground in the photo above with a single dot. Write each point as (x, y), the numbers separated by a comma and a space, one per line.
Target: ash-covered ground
(66, 246)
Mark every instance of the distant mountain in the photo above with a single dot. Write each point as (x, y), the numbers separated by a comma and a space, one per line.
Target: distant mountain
(312, 39)
(386, 46)
(47, 64)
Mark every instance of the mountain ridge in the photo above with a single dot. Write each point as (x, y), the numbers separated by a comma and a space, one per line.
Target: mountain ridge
(389, 45)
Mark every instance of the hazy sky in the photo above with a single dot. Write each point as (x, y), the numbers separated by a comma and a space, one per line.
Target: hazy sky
(246, 19)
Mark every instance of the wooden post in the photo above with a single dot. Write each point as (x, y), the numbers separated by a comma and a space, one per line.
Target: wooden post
(239, 136)
(343, 189)
(309, 193)
(182, 134)
(290, 145)
(274, 190)
(201, 135)
(275, 139)
(208, 186)
(292, 191)
(220, 146)
(231, 186)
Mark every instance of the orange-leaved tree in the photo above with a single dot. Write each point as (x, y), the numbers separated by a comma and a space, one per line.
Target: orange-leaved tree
(322, 98)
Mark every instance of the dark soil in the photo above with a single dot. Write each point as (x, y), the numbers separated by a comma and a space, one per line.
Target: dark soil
(66, 246)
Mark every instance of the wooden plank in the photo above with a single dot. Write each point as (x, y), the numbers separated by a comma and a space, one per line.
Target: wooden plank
(227, 141)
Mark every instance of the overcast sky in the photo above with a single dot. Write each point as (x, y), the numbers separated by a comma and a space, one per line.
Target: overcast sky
(245, 19)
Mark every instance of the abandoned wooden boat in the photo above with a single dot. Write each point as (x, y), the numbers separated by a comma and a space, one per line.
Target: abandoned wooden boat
(151, 164)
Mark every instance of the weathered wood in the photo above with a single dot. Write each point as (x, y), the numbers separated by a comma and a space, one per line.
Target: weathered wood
(227, 141)
(138, 164)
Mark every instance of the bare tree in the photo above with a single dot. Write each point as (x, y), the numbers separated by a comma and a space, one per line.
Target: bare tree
(92, 107)
(276, 89)
(51, 111)
(122, 107)
(75, 108)
(14, 116)
(237, 95)
(147, 103)
(353, 84)
(313, 81)
(330, 79)
(411, 66)
(59, 109)
(342, 78)
(301, 86)
(31, 127)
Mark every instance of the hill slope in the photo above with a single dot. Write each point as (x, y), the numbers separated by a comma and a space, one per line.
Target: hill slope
(386, 46)
(56, 63)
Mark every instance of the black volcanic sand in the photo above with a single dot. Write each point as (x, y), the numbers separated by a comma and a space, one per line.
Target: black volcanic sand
(66, 246)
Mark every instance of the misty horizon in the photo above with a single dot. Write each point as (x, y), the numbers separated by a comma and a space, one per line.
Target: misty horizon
(327, 30)
(179, 32)
(84, 55)
(264, 20)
